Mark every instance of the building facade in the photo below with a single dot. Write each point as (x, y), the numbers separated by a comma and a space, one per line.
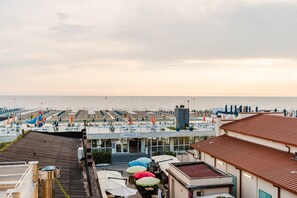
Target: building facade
(259, 151)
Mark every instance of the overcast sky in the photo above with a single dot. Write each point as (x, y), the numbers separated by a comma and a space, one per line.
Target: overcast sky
(148, 47)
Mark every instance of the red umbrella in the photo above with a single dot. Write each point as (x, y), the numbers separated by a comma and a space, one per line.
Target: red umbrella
(212, 120)
(143, 174)
(130, 121)
(71, 119)
(153, 119)
(204, 119)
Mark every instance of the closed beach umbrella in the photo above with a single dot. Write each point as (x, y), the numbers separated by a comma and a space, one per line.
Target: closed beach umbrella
(204, 119)
(135, 169)
(71, 119)
(147, 181)
(122, 191)
(13, 118)
(8, 121)
(137, 163)
(131, 120)
(144, 160)
(212, 120)
(153, 119)
(143, 174)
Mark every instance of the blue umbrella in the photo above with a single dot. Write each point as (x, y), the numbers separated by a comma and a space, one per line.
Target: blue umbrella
(144, 160)
(137, 163)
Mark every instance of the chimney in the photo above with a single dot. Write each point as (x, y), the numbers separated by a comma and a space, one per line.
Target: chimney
(47, 176)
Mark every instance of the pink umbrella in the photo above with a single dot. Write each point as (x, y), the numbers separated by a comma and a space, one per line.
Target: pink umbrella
(204, 119)
(143, 174)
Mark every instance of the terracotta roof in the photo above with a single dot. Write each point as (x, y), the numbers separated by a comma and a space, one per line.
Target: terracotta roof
(272, 165)
(274, 128)
(200, 170)
(51, 150)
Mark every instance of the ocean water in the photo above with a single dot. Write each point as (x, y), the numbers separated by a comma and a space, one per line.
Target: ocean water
(144, 102)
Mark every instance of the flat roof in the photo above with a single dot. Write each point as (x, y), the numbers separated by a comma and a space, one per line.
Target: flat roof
(51, 150)
(198, 170)
(270, 127)
(274, 166)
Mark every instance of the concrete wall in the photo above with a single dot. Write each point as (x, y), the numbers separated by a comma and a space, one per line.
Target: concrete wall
(176, 189)
(286, 194)
(209, 160)
(211, 191)
(235, 172)
(249, 185)
(183, 157)
(271, 144)
(267, 187)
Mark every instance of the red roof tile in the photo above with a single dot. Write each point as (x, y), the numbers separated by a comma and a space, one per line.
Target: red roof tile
(269, 164)
(270, 127)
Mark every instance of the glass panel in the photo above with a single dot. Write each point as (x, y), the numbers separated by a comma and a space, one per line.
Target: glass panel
(263, 194)
(175, 141)
(187, 140)
(125, 147)
(180, 140)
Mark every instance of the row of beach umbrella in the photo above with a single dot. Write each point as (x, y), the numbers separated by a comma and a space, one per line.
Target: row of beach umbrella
(143, 177)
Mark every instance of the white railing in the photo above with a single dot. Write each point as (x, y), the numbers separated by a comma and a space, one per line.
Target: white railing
(25, 185)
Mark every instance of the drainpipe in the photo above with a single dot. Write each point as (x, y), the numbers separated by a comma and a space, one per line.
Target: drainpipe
(190, 193)
(289, 148)
(240, 181)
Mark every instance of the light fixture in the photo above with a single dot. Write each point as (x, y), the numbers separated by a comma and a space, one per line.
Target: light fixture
(248, 176)
(218, 161)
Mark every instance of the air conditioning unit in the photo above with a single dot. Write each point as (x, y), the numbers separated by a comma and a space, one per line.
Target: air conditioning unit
(80, 153)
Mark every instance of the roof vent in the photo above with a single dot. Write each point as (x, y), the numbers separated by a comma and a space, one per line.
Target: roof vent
(295, 157)
(293, 172)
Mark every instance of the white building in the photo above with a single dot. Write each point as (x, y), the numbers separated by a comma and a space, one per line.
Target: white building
(259, 151)
(19, 180)
(197, 179)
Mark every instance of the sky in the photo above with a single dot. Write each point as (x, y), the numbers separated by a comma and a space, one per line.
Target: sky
(148, 47)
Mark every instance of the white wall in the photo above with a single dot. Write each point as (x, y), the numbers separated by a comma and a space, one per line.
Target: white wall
(179, 190)
(249, 185)
(271, 144)
(210, 191)
(235, 172)
(221, 165)
(267, 187)
(208, 159)
(286, 194)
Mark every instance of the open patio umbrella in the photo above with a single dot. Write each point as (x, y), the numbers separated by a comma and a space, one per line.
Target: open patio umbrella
(137, 163)
(147, 181)
(143, 174)
(135, 169)
(122, 191)
(145, 160)
(108, 184)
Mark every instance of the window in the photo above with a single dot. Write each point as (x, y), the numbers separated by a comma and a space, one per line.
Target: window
(199, 193)
(263, 194)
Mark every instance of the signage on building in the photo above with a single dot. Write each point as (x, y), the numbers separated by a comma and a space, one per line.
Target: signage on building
(129, 135)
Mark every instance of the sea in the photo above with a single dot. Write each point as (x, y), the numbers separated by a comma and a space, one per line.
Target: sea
(141, 103)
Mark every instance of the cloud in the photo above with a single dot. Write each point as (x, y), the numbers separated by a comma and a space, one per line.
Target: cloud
(172, 43)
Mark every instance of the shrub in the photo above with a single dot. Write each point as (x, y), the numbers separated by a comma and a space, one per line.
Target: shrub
(101, 157)
(164, 153)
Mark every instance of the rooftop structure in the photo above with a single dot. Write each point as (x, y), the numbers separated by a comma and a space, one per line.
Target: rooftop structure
(19, 179)
(51, 150)
(270, 127)
(195, 179)
(272, 165)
